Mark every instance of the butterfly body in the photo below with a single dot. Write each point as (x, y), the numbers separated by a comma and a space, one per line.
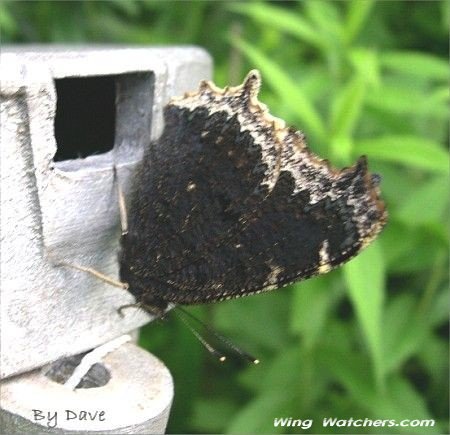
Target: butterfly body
(231, 202)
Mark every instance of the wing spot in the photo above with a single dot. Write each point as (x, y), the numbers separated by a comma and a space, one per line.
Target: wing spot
(272, 277)
(324, 259)
(191, 186)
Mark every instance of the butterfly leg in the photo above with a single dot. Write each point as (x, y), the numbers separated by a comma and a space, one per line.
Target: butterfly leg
(153, 305)
(122, 204)
(95, 273)
(124, 307)
(124, 226)
(150, 309)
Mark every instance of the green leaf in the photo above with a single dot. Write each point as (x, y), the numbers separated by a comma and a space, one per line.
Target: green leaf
(341, 148)
(7, 22)
(440, 308)
(365, 62)
(280, 19)
(404, 99)
(126, 7)
(275, 394)
(284, 373)
(398, 244)
(311, 303)
(428, 203)
(349, 368)
(403, 402)
(314, 83)
(357, 13)
(291, 384)
(445, 15)
(415, 63)
(404, 331)
(287, 362)
(395, 242)
(258, 416)
(399, 401)
(347, 108)
(210, 416)
(396, 182)
(289, 91)
(408, 150)
(254, 312)
(399, 240)
(325, 16)
(365, 276)
(434, 356)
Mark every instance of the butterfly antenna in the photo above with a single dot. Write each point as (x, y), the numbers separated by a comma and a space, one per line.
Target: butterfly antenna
(220, 337)
(205, 344)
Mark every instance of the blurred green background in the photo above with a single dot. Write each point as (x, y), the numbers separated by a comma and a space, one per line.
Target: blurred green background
(358, 77)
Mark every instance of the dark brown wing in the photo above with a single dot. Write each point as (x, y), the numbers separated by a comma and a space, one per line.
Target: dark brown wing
(230, 202)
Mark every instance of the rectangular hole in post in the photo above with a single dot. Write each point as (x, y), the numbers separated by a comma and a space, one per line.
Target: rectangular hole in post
(98, 113)
(85, 116)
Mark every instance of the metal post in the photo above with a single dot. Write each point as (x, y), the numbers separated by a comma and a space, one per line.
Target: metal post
(66, 209)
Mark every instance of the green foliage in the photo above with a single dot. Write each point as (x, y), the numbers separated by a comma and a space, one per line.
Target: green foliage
(365, 279)
(359, 77)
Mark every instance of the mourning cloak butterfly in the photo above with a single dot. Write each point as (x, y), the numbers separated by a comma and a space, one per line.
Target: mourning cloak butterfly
(230, 202)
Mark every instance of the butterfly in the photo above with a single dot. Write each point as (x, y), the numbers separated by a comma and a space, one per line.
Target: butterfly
(231, 202)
